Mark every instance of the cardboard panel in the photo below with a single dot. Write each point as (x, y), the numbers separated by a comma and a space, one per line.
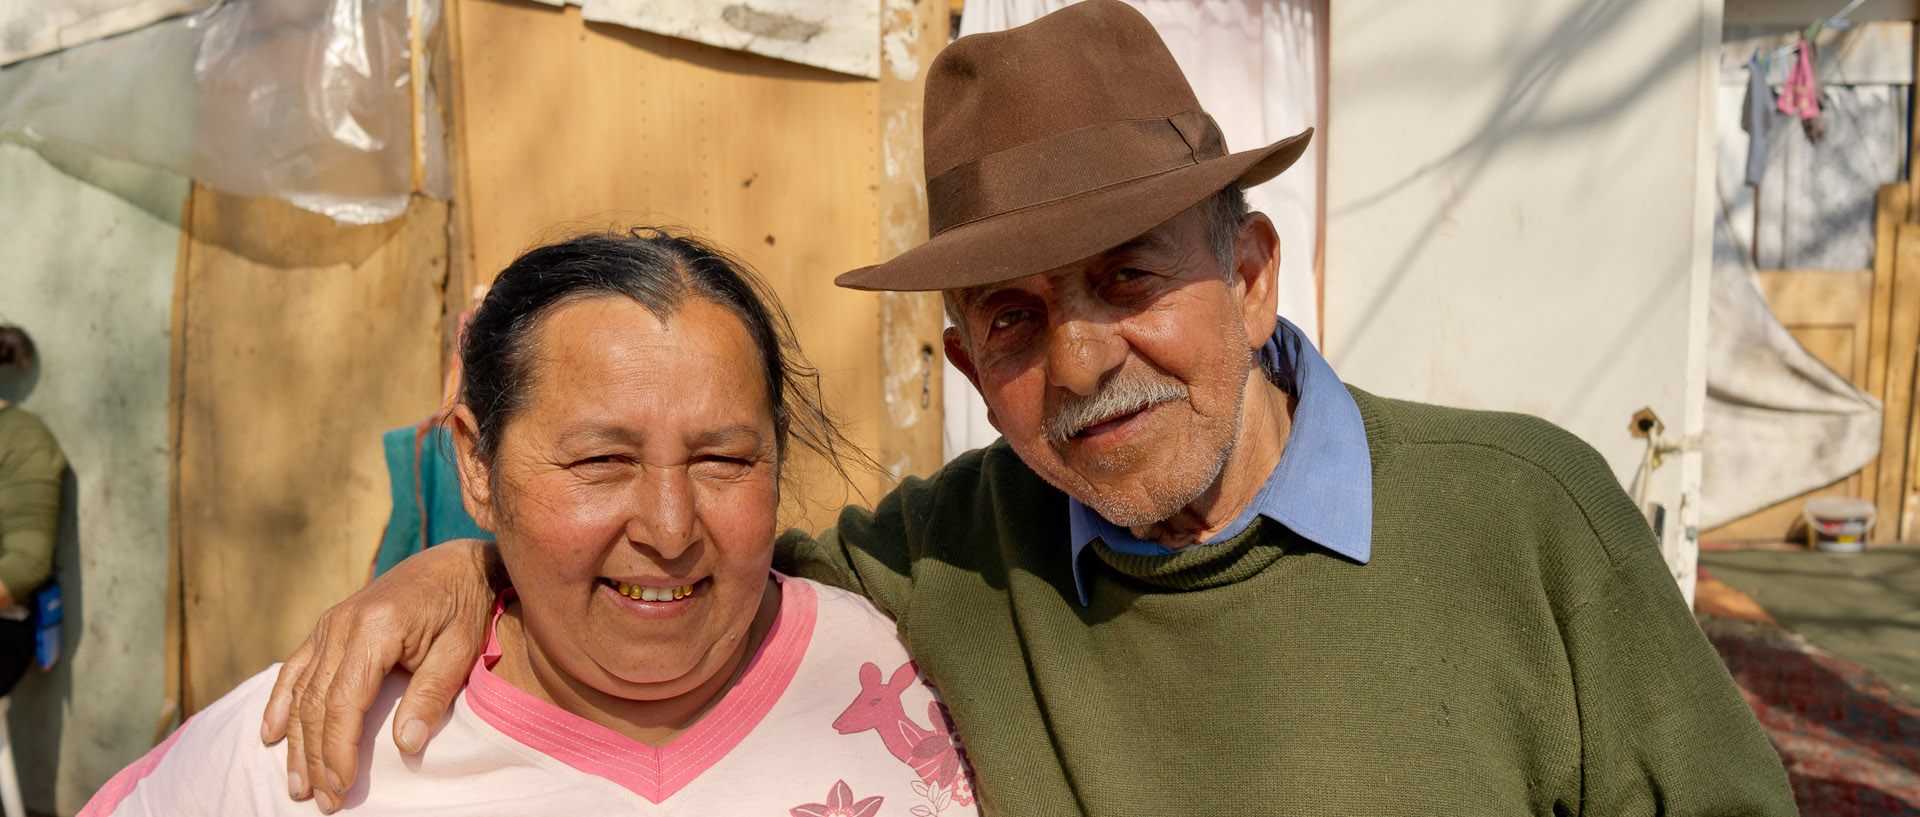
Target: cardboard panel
(303, 341)
(567, 126)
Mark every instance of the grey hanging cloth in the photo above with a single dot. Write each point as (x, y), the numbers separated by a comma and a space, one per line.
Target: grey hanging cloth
(1753, 118)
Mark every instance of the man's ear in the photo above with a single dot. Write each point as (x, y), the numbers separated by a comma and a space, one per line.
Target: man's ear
(1256, 275)
(475, 473)
(962, 359)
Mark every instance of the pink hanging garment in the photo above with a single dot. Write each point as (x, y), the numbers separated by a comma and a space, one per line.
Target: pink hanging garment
(1801, 95)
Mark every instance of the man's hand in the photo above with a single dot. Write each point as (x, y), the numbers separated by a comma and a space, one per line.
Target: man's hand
(427, 615)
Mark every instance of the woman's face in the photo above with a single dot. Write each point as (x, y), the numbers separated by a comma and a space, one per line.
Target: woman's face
(643, 459)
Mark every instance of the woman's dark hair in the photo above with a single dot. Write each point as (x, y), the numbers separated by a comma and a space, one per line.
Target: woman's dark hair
(15, 346)
(661, 271)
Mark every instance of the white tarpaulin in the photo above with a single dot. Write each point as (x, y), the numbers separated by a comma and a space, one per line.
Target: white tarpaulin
(838, 35)
(29, 28)
(1779, 422)
(1255, 65)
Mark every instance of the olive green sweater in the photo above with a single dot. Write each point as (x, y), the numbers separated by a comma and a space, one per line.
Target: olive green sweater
(31, 466)
(1514, 646)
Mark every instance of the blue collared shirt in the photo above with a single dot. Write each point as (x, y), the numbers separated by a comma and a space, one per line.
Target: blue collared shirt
(1322, 488)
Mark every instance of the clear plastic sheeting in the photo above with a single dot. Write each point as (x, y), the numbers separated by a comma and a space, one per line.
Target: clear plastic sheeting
(304, 100)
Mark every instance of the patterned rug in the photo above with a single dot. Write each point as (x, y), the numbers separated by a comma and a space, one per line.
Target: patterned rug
(1851, 746)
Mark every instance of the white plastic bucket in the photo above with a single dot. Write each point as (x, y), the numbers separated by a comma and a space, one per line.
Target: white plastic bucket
(1838, 523)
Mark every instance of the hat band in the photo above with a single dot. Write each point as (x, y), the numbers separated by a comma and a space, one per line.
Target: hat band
(1069, 164)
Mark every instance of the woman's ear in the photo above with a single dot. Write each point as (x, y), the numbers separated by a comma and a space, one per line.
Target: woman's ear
(476, 473)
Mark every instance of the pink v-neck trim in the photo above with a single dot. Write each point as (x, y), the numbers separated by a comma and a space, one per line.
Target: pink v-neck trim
(655, 773)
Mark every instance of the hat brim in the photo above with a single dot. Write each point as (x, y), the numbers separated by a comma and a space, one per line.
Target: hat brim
(1039, 238)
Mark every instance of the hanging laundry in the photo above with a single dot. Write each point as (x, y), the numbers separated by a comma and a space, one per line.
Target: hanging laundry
(1801, 95)
(1754, 116)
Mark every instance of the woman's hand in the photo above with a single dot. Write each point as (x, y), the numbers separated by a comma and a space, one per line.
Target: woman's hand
(427, 615)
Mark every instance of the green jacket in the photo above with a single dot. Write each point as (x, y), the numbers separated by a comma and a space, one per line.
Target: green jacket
(31, 467)
(1515, 644)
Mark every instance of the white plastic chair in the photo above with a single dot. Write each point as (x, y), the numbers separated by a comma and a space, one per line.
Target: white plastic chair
(9, 779)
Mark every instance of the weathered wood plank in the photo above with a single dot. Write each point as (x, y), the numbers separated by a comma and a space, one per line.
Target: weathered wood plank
(1891, 208)
(1903, 336)
(302, 341)
(911, 407)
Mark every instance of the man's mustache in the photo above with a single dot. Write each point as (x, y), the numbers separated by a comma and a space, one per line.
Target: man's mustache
(1119, 395)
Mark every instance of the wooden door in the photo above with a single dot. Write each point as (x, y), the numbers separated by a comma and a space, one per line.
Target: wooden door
(1829, 312)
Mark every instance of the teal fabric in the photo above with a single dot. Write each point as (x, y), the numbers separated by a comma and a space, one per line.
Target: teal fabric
(426, 495)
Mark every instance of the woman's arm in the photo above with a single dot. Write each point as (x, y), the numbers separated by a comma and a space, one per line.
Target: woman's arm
(427, 615)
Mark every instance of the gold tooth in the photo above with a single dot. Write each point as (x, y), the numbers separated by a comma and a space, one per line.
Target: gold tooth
(679, 593)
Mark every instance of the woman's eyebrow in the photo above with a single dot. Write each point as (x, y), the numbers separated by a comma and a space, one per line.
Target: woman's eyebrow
(598, 434)
(740, 434)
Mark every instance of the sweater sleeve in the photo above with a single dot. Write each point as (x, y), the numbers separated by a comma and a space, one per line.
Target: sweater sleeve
(31, 467)
(865, 553)
(1664, 730)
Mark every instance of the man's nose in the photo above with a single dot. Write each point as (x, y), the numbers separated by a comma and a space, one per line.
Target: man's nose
(1081, 352)
(663, 518)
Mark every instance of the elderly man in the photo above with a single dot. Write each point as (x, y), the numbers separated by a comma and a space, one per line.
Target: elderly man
(1198, 574)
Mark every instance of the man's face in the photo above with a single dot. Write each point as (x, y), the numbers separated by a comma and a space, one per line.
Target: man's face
(1121, 378)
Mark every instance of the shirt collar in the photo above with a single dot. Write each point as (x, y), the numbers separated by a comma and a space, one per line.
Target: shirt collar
(1322, 488)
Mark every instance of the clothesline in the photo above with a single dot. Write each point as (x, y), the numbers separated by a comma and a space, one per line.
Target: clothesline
(1837, 21)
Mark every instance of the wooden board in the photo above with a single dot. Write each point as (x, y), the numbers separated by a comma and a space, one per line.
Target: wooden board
(568, 126)
(912, 404)
(1903, 337)
(1829, 312)
(1891, 208)
(301, 342)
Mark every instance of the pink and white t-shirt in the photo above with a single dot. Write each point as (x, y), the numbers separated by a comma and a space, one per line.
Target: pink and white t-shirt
(829, 718)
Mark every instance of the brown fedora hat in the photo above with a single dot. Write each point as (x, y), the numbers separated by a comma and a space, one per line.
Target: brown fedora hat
(1051, 142)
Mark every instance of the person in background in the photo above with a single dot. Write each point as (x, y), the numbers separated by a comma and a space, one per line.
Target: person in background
(31, 468)
(628, 405)
(1198, 573)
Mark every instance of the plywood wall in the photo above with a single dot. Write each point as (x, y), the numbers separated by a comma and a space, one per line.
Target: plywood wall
(562, 126)
(301, 342)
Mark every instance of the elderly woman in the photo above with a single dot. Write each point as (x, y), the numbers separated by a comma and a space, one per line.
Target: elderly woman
(628, 404)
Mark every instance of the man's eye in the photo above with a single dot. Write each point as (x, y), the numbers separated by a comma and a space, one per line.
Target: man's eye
(1125, 275)
(1010, 318)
